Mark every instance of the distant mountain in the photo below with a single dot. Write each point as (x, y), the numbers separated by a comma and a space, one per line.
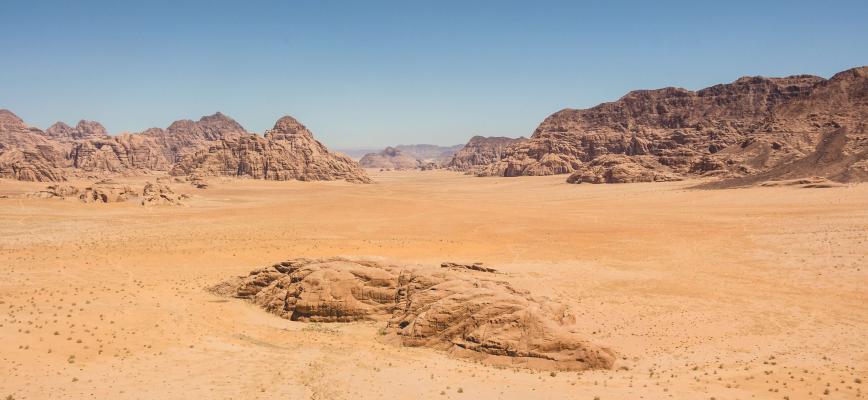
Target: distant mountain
(410, 156)
(770, 128)
(28, 153)
(390, 158)
(286, 152)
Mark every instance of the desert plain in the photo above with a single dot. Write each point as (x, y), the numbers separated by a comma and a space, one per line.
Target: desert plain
(754, 293)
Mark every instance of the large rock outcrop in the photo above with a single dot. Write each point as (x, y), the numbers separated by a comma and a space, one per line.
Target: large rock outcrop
(25, 153)
(619, 168)
(286, 152)
(389, 158)
(469, 313)
(160, 194)
(107, 191)
(28, 165)
(480, 151)
(750, 126)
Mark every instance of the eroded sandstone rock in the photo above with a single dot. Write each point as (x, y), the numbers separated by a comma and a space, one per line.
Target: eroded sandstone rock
(619, 168)
(160, 194)
(734, 130)
(480, 151)
(107, 191)
(460, 310)
(287, 152)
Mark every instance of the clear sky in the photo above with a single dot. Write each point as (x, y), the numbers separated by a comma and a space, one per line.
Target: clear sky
(371, 73)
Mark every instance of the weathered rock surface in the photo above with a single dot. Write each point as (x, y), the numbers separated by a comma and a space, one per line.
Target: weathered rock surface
(107, 191)
(287, 152)
(475, 266)
(31, 154)
(750, 126)
(389, 158)
(480, 151)
(25, 154)
(28, 165)
(160, 194)
(460, 310)
(619, 168)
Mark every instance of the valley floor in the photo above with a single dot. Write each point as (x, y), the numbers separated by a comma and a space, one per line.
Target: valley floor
(726, 294)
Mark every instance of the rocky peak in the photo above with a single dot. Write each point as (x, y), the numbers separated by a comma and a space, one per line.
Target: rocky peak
(83, 130)
(8, 120)
(90, 129)
(287, 127)
(209, 127)
(59, 129)
(287, 152)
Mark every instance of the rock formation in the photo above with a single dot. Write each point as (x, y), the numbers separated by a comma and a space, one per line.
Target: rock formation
(480, 151)
(750, 126)
(286, 152)
(460, 310)
(620, 168)
(160, 194)
(25, 154)
(390, 158)
(107, 191)
(83, 130)
(30, 154)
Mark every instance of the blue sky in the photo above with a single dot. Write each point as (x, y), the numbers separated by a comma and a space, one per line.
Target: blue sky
(375, 73)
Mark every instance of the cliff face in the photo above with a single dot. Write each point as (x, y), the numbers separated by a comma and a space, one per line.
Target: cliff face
(749, 126)
(26, 154)
(286, 152)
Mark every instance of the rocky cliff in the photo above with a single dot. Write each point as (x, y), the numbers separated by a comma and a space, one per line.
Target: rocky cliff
(743, 128)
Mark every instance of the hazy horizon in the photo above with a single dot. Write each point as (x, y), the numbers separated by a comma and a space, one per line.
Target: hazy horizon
(385, 73)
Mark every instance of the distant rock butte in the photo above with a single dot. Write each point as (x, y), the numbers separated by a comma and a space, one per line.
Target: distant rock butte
(464, 311)
(751, 126)
(410, 156)
(390, 158)
(287, 152)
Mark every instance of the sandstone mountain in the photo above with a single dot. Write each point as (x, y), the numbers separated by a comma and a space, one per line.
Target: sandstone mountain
(481, 151)
(467, 312)
(752, 126)
(390, 158)
(286, 152)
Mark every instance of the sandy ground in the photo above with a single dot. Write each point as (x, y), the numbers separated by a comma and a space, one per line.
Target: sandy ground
(730, 294)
